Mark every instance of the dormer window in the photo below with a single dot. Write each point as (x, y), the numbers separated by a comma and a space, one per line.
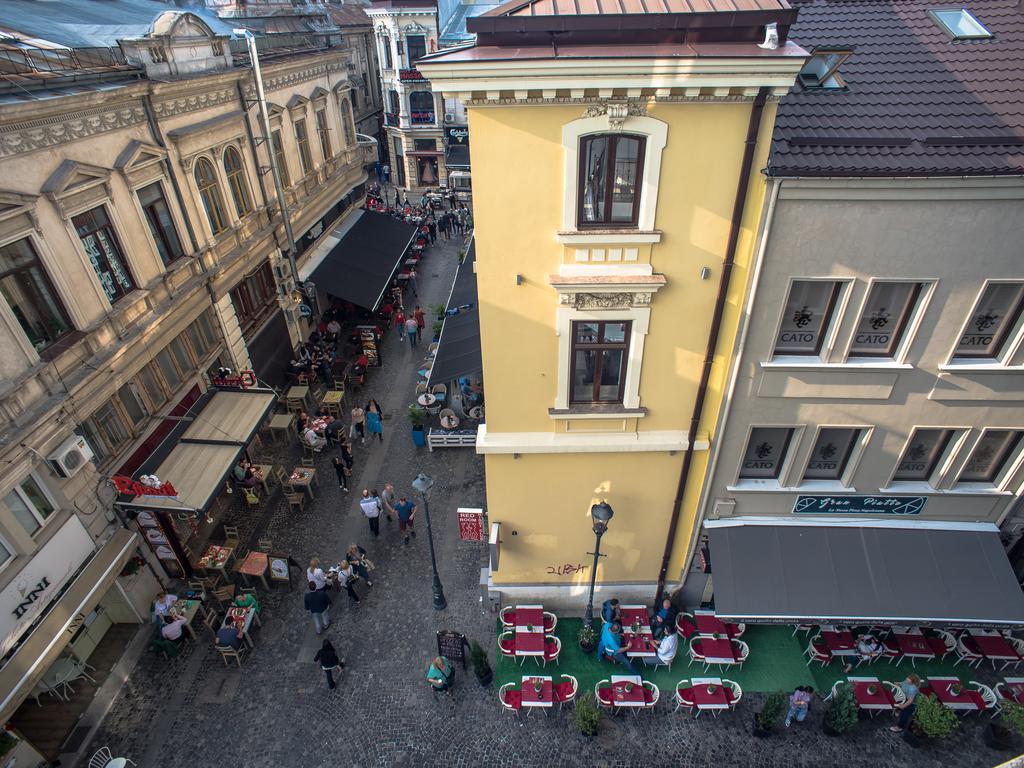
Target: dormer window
(822, 69)
(960, 24)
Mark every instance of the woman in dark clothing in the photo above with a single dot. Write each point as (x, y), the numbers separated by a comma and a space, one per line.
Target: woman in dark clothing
(329, 662)
(339, 469)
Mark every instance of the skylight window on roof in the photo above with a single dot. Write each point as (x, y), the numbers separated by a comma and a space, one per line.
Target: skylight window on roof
(960, 24)
(822, 69)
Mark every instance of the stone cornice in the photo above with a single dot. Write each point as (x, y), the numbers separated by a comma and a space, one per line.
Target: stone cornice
(61, 128)
(195, 100)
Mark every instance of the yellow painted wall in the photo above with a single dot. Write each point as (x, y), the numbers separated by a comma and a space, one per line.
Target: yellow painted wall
(517, 177)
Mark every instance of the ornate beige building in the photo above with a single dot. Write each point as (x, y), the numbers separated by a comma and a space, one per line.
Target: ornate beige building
(140, 247)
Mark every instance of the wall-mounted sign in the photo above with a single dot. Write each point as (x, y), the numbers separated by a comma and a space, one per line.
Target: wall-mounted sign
(305, 311)
(141, 487)
(859, 505)
(494, 545)
(227, 378)
(457, 134)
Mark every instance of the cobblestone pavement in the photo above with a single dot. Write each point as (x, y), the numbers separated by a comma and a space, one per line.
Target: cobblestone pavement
(277, 710)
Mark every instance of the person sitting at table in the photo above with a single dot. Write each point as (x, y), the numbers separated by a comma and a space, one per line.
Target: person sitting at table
(173, 627)
(356, 557)
(868, 649)
(313, 440)
(440, 675)
(316, 574)
(610, 611)
(667, 647)
(301, 419)
(610, 646)
(911, 687)
(247, 600)
(663, 620)
(252, 476)
(799, 704)
(162, 604)
(229, 636)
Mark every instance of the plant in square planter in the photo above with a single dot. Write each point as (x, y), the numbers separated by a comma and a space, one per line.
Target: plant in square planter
(587, 638)
(999, 735)
(8, 741)
(587, 715)
(842, 713)
(932, 720)
(417, 417)
(436, 328)
(766, 721)
(481, 666)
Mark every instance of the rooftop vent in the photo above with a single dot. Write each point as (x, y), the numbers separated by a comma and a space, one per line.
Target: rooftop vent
(960, 24)
(822, 69)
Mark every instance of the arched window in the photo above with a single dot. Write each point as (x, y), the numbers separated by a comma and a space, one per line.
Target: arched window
(235, 172)
(209, 191)
(346, 123)
(421, 108)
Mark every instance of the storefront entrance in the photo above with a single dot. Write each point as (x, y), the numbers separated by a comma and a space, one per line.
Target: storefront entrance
(426, 171)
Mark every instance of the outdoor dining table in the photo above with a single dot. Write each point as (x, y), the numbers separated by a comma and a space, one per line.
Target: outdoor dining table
(995, 647)
(297, 398)
(282, 422)
(530, 618)
(215, 558)
(966, 700)
(449, 422)
(634, 614)
(640, 645)
(255, 564)
(1014, 687)
(621, 697)
(839, 642)
(426, 399)
(303, 478)
(913, 645)
(704, 699)
(265, 470)
(871, 695)
(243, 619)
(186, 609)
(532, 697)
(709, 624)
(718, 650)
(530, 643)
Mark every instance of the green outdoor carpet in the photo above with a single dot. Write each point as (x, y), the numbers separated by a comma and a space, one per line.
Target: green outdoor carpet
(776, 663)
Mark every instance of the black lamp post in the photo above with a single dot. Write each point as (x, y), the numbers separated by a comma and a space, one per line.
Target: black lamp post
(423, 483)
(600, 513)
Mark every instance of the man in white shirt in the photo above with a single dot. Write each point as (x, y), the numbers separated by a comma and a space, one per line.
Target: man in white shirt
(163, 603)
(371, 508)
(667, 648)
(313, 439)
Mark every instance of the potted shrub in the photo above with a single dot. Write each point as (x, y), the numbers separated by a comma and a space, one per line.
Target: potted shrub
(771, 714)
(7, 742)
(481, 666)
(587, 715)
(417, 417)
(436, 327)
(712, 687)
(841, 715)
(999, 734)
(462, 254)
(538, 685)
(931, 720)
(587, 638)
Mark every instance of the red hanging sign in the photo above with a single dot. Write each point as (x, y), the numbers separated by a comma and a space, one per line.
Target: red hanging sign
(471, 524)
(131, 487)
(242, 380)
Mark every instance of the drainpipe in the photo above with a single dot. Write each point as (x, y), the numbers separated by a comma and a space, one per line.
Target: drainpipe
(742, 185)
(252, 141)
(154, 130)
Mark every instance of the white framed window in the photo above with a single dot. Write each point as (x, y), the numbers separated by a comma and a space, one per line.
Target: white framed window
(30, 504)
(766, 454)
(993, 327)
(992, 458)
(887, 319)
(808, 318)
(834, 454)
(922, 456)
(960, 24)
(654, 135)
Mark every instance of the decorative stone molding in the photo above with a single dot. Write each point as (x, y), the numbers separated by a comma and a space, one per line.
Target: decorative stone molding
(17, 213)
(618, 300)
(276, 83)
(468, 100)
(617, 111)
(140, 162)
(54, 130)
(191, 102)
(75, 185)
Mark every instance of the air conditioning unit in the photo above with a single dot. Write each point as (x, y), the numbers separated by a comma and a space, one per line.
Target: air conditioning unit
(71, 456)
(449, 117)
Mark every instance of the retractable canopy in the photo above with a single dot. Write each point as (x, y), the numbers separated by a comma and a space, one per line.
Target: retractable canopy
(458, 348)
(360, 267)
(862, 571)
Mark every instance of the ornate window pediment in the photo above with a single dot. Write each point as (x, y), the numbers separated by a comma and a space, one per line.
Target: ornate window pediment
(75, 185)
(17, 213)
(297, 102)
(140, 162)
(319, 94)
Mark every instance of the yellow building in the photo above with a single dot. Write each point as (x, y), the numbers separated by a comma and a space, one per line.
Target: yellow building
(616, 178)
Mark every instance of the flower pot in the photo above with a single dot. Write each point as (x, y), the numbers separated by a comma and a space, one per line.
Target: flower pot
(588, 647)
(419, 436)
(997, 737)
(759, 731)
(827, 729)
(485, 679)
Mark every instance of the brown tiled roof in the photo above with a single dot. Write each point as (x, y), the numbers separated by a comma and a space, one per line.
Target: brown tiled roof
(615, 7)
(917, 103)
(349, 15)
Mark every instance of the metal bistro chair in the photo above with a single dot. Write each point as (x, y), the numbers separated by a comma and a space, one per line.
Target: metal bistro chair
(603, 693)
(103, 758)
(227, 652)
(565, 692)
(508, 616)
(818, 651)
(968, 651)
(651, 695)
(552, 649)
(683, 688)
(507, 647)
(735, 691)
(511, 700)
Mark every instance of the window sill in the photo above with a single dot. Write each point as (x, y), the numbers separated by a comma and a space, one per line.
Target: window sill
(965, 490)
(61, 345)
(609, 236)
(772, 486)
(815, 364)
(597, 412)
(993, 366)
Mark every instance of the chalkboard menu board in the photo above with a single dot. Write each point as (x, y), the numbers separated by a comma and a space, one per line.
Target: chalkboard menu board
(452, 645)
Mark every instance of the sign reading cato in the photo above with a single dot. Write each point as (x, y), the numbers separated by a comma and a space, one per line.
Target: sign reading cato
(859, 505)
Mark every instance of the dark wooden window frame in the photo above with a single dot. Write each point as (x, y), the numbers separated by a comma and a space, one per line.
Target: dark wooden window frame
(843, 462)
(115, 243)
(896, 337)
(302, 144)
(599, 347)
(609, 180)
(933, 462)
(38, 269)
(324, 132)
(238, 183)
(157, 228)
(783, 454)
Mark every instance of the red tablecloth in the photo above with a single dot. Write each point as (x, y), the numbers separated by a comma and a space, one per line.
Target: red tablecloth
(531, 616)
(628, 615)
(717, 649)
(639, 644)
(916, 645)
(839, 641)
(529, 643)
(701, 698)
(532, 696)
(966, 697)
(709, 624)
(882, 697)
(995, 647)
(1014, 690)
(255, 564)
(622, 697)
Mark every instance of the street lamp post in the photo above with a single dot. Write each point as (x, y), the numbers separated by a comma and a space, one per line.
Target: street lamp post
(423, 483)
(600, 513)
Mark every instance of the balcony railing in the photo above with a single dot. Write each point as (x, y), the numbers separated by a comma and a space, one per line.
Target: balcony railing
(422, 118)
(391, 118)
(411, 75)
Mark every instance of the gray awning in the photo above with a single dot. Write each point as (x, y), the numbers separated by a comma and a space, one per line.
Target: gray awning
(458, 348)
(862, 571)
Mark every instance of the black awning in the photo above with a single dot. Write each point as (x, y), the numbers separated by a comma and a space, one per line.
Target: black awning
(360, 267)
(270, 350)
(863, 572)
(458, 349)
(457, 156)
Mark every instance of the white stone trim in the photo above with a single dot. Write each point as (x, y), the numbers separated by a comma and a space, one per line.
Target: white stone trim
(656, 133)
(585, 269)
(626, 237)
(588, 442)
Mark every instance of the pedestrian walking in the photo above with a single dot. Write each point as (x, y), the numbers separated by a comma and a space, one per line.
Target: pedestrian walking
(412, 331)
(329, 661)
(444, 224)
(374, 420)
(318, 604)
(356, 556)
(371, 508)
(342, 472)
(412, 281)
(347, 580)
(345, 451)
(359, 424)
(423, 200)
(387, 175)
(421, 318)
(432, 230)
(387, 498)
(406, 512)
(375, 495)
(440, 675)
(399, 321)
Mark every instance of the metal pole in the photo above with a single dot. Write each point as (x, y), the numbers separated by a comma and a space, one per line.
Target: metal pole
(268, 141)
(588, 617)
(439, 602)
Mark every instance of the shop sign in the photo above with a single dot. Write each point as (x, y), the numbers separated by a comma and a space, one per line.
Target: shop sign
(471, 524)
(305, 311)
(859, 505)
(35, 586)
(242, 380)
(457, 134)
(147, 485)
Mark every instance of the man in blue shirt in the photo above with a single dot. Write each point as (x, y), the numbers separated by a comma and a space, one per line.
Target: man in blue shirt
(228, 635)
(610, 610)
(406, 511)
(610, 646)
